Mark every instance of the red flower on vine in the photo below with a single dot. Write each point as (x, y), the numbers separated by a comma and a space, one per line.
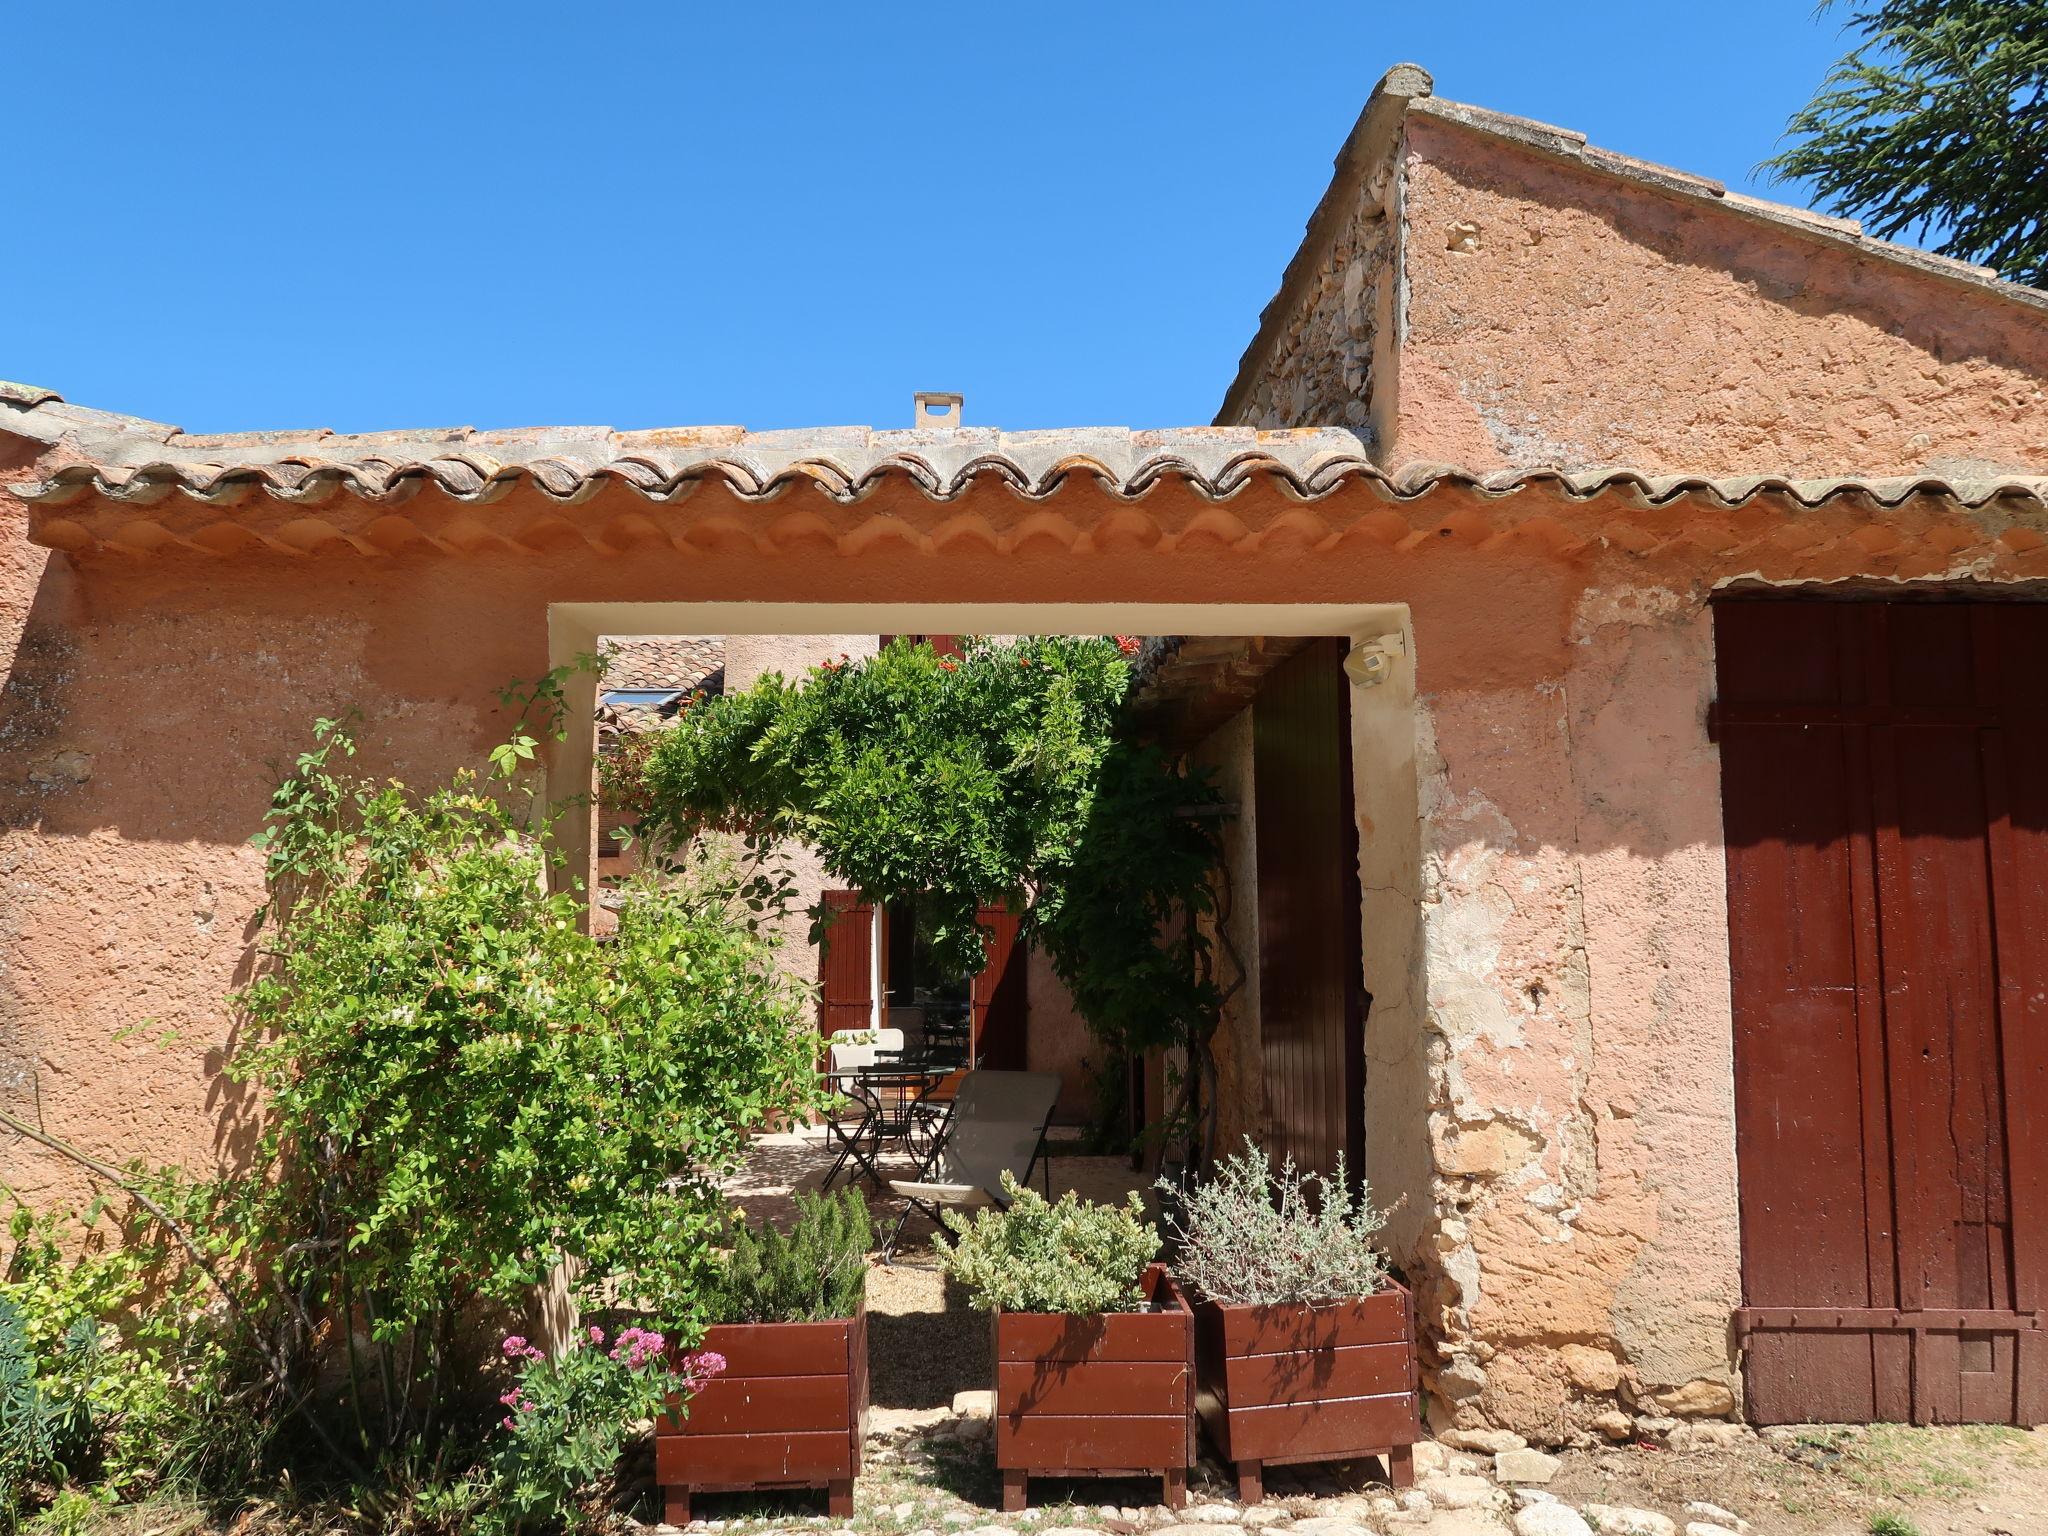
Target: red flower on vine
(1128, 644)
(948, 664)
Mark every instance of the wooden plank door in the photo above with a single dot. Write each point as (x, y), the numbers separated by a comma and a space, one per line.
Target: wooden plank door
(1887, 864)
(846, 964)
(1311, 993)
(1000, 1014)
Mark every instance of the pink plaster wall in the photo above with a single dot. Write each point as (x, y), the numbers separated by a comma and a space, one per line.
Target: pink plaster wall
(1580, 1079)
(1565, 1142)
(1558, 316)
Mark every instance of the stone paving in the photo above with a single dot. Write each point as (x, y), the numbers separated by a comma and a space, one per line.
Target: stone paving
(929, 1473)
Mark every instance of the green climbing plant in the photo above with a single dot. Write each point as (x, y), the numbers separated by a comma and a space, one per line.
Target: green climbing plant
(1006, 775)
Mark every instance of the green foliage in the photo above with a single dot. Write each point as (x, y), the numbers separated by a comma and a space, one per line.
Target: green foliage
(1892, 1525)
(818, 1271)
(567, 1419)
(1075, 1257)
(465, 1091)
(89, 1389)
(1001, 777)
(1247, 1237)
(1934, 124)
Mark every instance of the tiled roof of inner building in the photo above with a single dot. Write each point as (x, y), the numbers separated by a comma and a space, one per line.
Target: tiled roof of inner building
(129, 461)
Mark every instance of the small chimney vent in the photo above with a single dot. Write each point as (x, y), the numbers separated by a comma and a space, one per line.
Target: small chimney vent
(938, 410)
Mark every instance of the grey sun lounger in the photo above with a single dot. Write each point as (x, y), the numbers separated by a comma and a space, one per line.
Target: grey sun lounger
(997, 1126)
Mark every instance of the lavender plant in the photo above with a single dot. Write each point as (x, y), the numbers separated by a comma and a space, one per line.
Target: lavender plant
(1250, 1237)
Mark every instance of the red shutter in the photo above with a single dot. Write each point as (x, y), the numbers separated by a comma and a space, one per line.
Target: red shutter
(999, 1014)
(846, 964)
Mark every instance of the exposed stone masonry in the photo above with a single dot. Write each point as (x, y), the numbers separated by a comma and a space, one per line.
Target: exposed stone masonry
(1321, 368)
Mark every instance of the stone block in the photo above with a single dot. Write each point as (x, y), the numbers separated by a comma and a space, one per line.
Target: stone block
(1714, 1514)
(1590, 1369)
(1488, 1442)
(1627, 1520)
(1698, 1399)
(1524, 1466)
(975, 1405)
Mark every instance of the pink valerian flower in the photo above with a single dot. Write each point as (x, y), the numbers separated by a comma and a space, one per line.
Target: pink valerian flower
(596, 1335)
(695, 1370)
(516, 1348)
(636, 1346)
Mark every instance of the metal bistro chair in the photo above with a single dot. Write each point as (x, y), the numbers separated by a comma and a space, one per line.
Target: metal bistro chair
(855, 1120)
(997, 1125)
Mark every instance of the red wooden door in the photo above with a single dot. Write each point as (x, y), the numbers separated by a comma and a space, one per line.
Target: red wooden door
(1311, 992)
(846, 964)
(1887, 826)
(999, 1001)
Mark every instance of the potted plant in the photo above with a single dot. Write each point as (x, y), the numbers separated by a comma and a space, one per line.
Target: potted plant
(1304, 1344)
(1094, 1343)
(790, 1408)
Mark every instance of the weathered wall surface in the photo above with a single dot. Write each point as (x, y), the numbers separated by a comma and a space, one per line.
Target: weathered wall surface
(1556, 1038)
(1056, 1039)
(1581, 1118)
(149, 712)
(1321, 367)
(1556, 316)
(1239, 1044)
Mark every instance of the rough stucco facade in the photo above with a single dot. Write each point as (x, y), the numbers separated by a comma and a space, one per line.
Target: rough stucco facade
(1545, 931)
(1492, 293)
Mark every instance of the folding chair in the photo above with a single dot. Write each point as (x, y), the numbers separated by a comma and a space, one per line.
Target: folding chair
(997, 1126)
(855, 1121)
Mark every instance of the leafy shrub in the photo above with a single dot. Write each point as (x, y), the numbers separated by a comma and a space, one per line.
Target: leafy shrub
(1250, 1238)
(818, 1271)
(89, 1393)
(1075, 1257)
(567, 1418)
(465, 1093)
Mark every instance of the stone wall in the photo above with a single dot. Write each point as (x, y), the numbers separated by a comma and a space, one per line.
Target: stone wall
(1321, 369)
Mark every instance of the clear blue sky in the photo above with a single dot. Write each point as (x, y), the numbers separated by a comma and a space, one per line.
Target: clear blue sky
(232, 216)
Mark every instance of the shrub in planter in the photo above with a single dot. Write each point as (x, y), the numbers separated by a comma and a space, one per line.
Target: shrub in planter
(1305, 1345)
(1093, 1342)
(790, 1408)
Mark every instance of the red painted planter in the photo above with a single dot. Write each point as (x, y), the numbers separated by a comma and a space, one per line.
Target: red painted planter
(789, 1411)
(1102, 1395)
(1285, 1384)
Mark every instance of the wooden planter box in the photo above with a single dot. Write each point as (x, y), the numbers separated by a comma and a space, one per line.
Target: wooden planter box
(1103, 1395)
(789, 1411)
(1310, 1383)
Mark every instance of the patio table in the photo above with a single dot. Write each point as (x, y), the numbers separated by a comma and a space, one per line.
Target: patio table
(896, 1100)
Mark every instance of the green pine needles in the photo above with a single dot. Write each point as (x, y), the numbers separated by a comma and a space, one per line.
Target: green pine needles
(1075, 1257)
(817, 1271)
(1933, 125)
